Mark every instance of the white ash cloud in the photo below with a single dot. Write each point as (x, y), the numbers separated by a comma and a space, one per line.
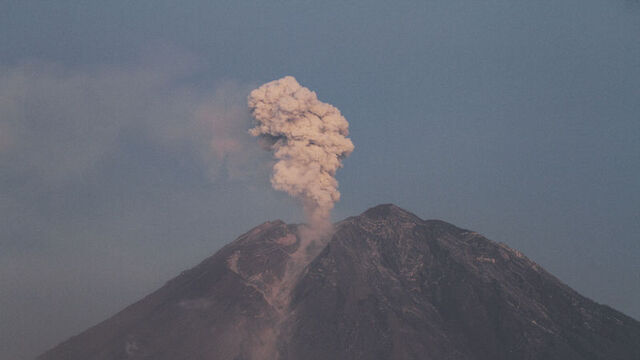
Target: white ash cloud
(309, 140)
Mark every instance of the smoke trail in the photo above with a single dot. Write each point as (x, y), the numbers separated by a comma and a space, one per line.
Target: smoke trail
(308, 138)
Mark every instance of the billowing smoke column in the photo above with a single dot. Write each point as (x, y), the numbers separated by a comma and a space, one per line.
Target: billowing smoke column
(309, 140)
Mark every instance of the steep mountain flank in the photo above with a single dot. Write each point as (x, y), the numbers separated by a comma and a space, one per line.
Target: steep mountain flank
(385, 285)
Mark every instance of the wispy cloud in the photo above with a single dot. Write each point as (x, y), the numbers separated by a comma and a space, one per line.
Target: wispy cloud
(100, 166)
(57, 123)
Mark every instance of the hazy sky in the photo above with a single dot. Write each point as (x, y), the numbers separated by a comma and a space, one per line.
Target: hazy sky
(124, 157)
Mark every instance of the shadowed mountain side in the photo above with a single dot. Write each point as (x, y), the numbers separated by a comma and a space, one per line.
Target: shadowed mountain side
(385, 285)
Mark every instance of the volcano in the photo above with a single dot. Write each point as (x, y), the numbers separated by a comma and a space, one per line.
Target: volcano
(384, 285)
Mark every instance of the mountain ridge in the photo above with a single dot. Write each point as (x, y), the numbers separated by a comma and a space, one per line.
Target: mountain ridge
(385, 285)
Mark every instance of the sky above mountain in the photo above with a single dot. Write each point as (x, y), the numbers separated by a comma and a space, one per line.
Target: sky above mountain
(125, 157)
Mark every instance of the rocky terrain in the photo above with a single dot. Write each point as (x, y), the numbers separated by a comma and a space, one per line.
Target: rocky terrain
(384, 285)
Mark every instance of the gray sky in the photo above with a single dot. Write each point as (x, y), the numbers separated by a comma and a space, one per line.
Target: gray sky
(124, 157)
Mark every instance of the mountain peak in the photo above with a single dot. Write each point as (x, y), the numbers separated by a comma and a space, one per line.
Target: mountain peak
(389, 211)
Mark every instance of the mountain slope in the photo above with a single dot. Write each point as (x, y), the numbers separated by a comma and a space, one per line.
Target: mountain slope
(385, 285)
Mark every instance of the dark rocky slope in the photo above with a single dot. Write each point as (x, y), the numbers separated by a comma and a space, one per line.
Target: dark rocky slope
(385, 285)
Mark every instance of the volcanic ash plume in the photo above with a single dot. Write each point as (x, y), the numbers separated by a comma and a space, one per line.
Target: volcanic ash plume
(309, 140)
